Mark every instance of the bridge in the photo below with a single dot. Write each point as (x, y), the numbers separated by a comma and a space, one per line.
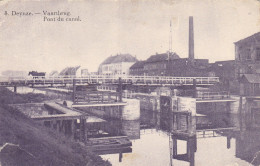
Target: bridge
(103, 79)
(213, 97)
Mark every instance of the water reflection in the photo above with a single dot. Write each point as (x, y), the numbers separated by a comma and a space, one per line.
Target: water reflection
(24, 90)
(230, 139)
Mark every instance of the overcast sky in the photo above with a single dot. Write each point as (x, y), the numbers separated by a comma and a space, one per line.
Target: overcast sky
(140, 28)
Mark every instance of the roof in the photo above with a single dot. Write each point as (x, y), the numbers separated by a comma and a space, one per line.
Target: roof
(138, 64)
(251, 78)
(53, 73)
(69, 70)
(119, 58)
(249, 38)
(162, 57)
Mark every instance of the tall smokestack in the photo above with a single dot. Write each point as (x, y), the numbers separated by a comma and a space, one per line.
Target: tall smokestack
(191, 38)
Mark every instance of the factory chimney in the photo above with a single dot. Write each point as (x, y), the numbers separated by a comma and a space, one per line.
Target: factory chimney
(191, 38)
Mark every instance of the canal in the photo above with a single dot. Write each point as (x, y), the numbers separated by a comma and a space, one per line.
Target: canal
(151, 143)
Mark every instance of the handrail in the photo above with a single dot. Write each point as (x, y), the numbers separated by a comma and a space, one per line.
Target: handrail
(114, 79)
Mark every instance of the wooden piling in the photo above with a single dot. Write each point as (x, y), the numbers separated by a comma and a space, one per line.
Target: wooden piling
(15, 89)
(74, 90)
(82, 129)
(194, 88)
(119, 89)
(120, 157)
(228, 142)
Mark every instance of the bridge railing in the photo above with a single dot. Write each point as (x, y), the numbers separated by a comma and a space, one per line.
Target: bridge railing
(96, 97)
(213, 95)
(108, 79)
(217, 132)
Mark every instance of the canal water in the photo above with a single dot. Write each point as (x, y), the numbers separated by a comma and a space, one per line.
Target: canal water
(151, 141)
(152, 148)
(24, 90)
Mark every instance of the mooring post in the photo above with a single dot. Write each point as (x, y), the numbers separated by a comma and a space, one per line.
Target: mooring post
(192, 161)
(120, 157)
(74, 90)
(228, 142)
(174, 146)
(15, 89)
(191, 150)
(82, 129)
(194, 88)
(120, 89)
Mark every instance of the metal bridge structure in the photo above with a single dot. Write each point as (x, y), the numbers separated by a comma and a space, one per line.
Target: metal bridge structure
(104, 79)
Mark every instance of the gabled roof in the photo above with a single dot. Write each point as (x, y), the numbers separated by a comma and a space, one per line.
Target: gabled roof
(251, 78)
(162, 57)
(120, 58)
(138, 64)
(69, 70)
(249, 38)
(53, 73)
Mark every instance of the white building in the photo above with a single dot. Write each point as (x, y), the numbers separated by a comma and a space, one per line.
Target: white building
(117, 65)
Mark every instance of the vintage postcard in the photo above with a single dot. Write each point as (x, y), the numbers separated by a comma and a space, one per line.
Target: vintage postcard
(129, 82)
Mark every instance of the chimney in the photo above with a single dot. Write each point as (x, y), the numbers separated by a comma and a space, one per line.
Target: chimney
(191, 38)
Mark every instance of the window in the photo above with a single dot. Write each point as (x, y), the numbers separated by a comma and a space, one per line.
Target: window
(258, 54)
(248, 54)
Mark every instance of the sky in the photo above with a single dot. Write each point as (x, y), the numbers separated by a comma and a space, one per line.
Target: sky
(138, 27)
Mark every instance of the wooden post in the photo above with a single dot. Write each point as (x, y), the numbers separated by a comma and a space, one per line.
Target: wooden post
(191, 149)
(174, 146)
(195, 143)
(82, 129)
(228, 142)
(194, 88)
(15, 89)
(188, 148)
(74, 91)
(120, 89)
(190, 122)
(120, 157)
(187, 123)
(192, 161)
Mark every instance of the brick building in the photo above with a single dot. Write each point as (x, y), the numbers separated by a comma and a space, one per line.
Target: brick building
(156, 65)
(137, 68)
(186, 67)
(161, 65)
(247, 55)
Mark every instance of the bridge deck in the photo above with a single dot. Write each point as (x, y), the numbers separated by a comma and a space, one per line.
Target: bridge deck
(100, 79)
(214, 100)
(99, 104)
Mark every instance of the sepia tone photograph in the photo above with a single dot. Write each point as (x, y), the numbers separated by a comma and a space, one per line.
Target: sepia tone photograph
(129, 83)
